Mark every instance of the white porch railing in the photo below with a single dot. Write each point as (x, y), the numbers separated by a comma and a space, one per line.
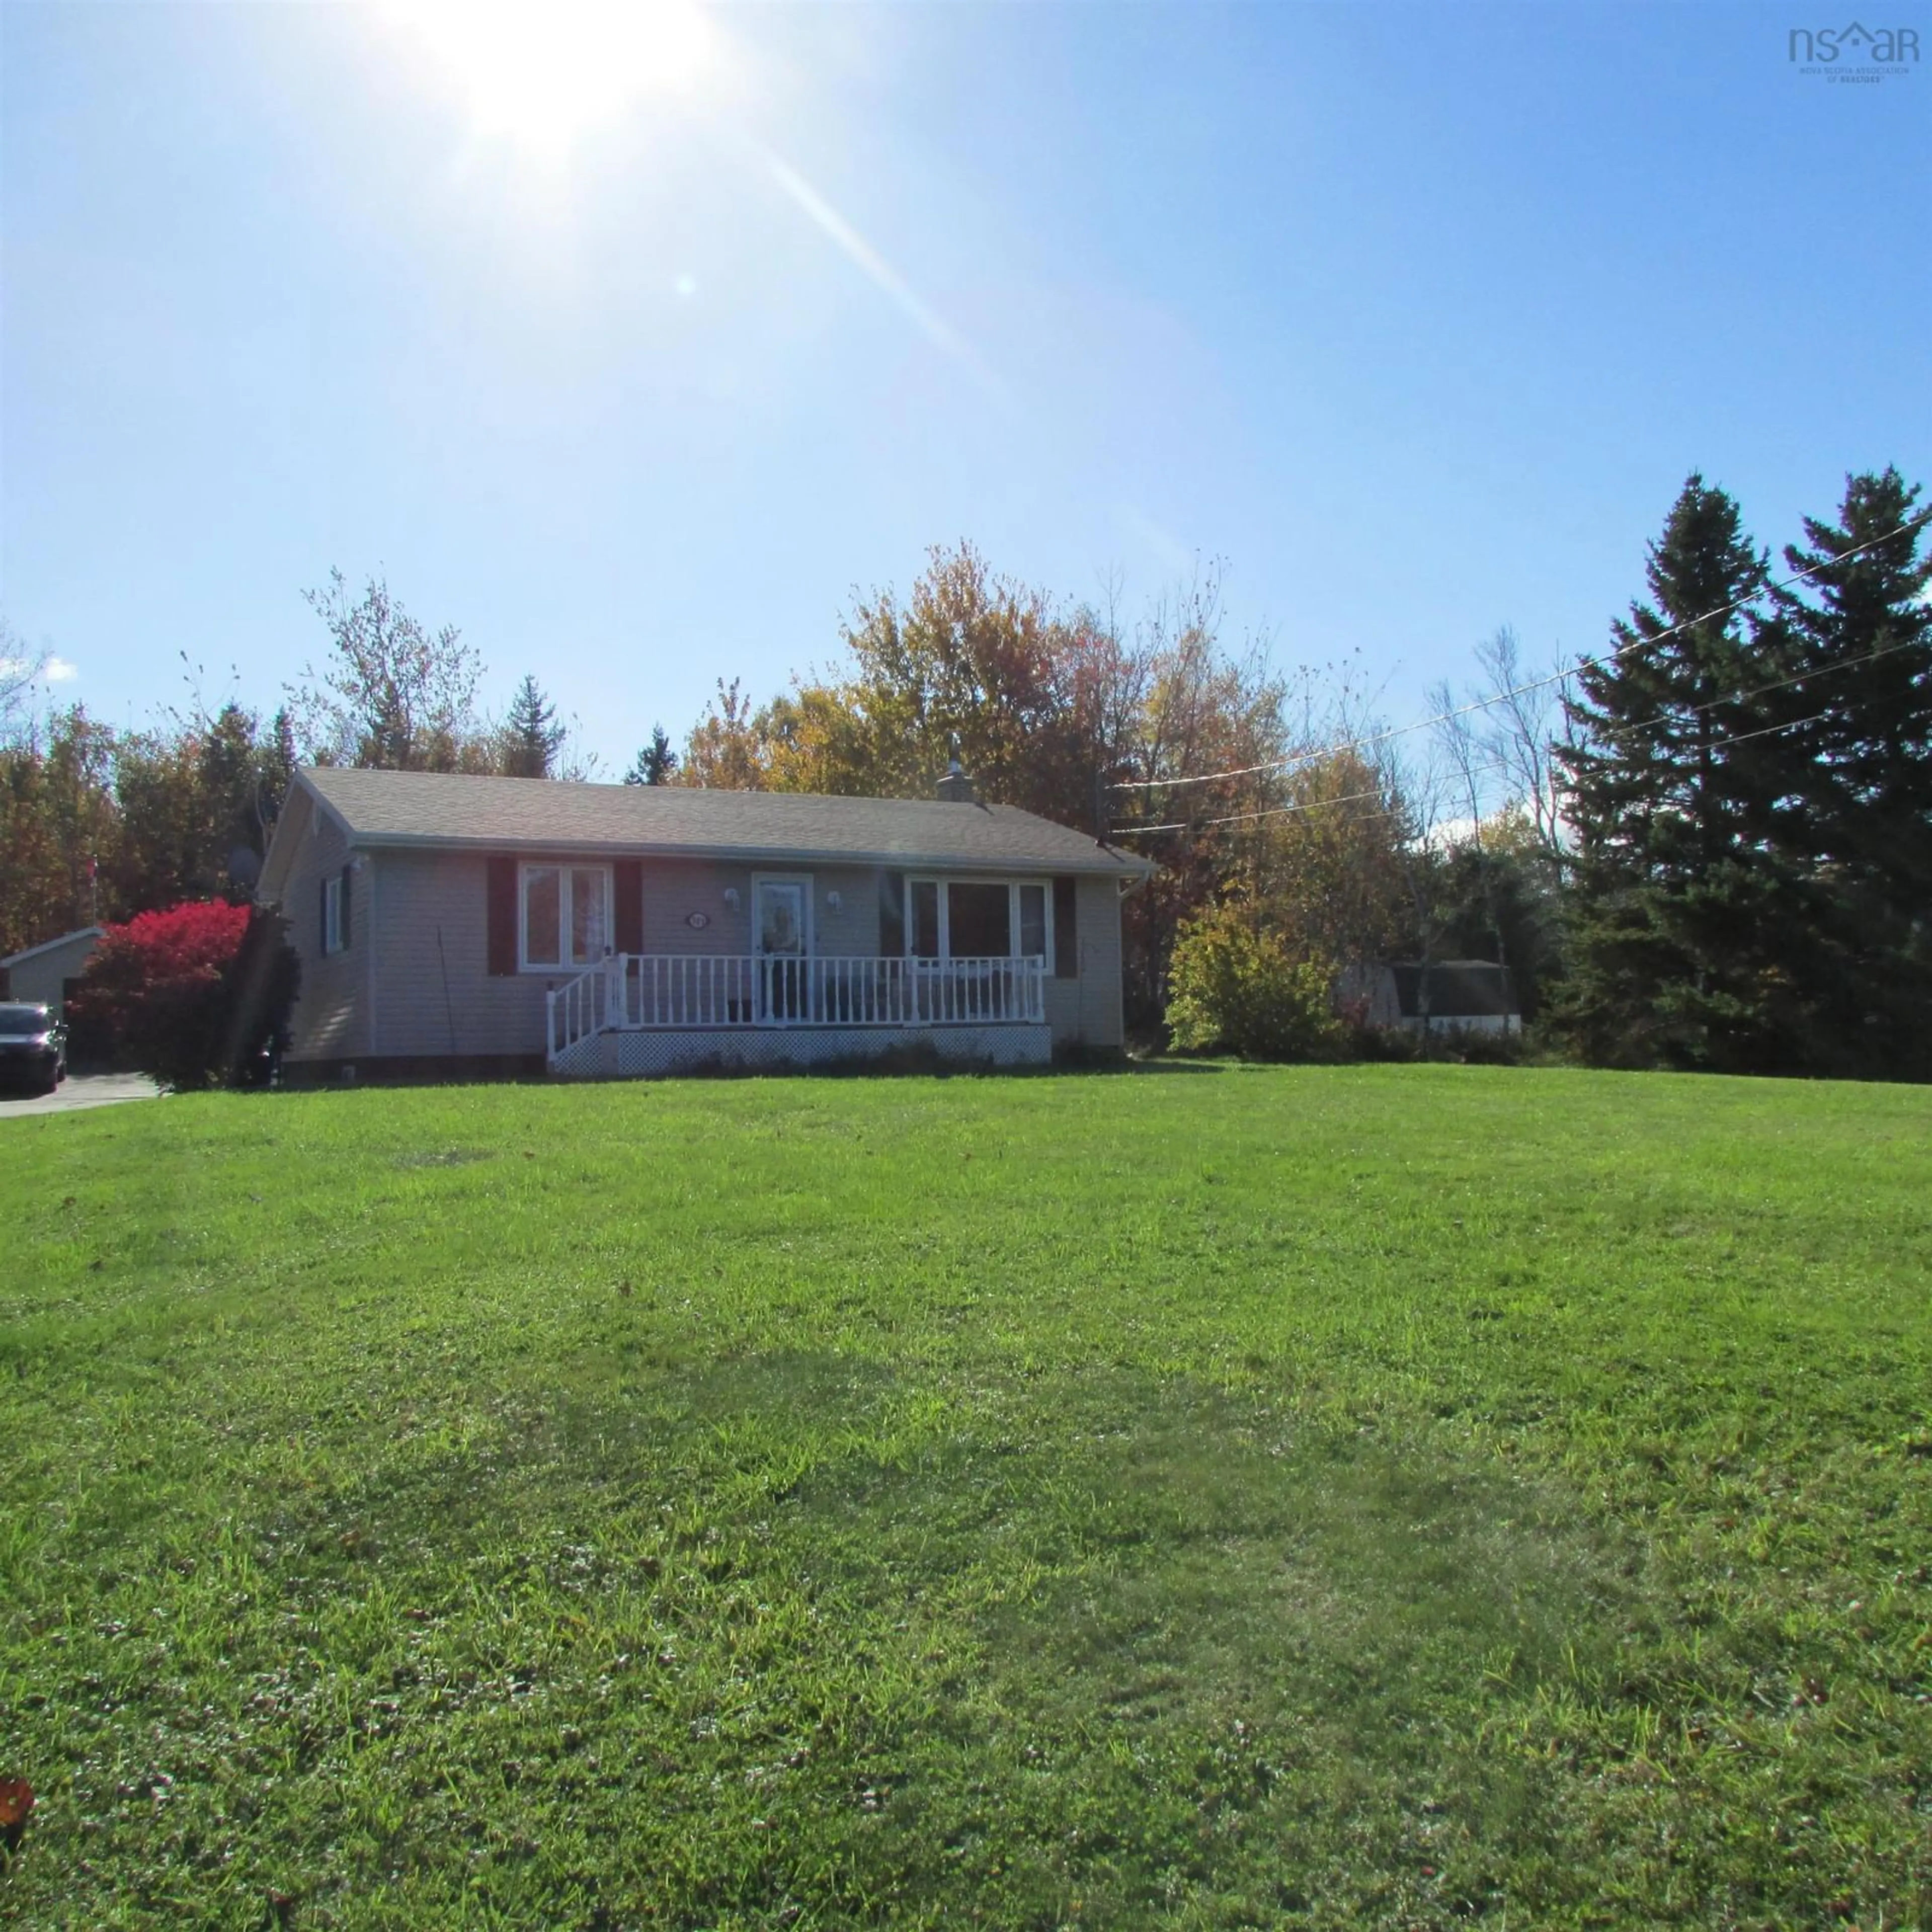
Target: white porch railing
(634, 992)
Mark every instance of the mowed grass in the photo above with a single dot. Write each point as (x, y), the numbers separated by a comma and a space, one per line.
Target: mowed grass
(1400, 1497)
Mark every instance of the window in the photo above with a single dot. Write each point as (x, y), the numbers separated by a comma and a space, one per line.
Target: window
(978, 919)
(1030, 903)
(333, 939)
(565, 917)
(923, 934)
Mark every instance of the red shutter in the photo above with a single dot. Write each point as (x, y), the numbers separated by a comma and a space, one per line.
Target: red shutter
(502, 916)
(629, 917)
(1066, 929)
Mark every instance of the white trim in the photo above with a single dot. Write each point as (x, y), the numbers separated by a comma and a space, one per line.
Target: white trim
(1013, 885)
(563, 868)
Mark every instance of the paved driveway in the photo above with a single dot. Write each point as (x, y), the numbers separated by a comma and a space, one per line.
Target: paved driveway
(80, 1090)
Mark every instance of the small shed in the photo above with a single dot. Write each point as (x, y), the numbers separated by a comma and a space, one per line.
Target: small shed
(1438, 996)
(43, 973)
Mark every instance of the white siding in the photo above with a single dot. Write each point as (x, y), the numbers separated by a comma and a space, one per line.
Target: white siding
(1102, 1022)
(435, 994)
(329, 1021)
(428, 990)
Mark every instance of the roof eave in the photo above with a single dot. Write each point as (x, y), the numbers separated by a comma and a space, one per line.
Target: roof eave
(1106, 863)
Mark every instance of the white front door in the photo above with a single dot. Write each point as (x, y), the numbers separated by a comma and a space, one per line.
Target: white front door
(782, 937)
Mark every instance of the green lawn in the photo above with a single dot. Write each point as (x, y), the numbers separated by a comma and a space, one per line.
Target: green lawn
(1402, 1497)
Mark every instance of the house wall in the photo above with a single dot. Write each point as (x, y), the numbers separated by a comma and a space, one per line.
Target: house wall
(43, 978)
(425, 991)
(1086, 1012)
(330, 1021)
(436, 998)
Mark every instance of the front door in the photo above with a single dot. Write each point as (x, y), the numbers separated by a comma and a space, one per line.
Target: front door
(780, 924)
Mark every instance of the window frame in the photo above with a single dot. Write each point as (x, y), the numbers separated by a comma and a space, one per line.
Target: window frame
(1014, 885)
(566, 870)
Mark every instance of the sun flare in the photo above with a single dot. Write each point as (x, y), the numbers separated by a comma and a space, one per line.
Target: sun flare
(542, 74)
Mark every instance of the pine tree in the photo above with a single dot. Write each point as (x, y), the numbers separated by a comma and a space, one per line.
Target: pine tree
(656, 762)
(1854, 806)
(1683, 922)
(532, 736)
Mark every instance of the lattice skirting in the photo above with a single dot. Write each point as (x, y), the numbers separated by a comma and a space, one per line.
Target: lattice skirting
(631, 1056)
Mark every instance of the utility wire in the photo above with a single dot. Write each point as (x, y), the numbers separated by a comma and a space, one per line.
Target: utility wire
(1477, 771)
(1281, 811)
(1776, 684)
(1521, 690)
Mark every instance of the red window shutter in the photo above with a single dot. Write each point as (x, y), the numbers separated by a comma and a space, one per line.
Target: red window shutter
(1066, 929)
(502, 916)
(628, 916)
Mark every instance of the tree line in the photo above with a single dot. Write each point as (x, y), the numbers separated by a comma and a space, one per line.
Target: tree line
(100, 825)
(1708, 845)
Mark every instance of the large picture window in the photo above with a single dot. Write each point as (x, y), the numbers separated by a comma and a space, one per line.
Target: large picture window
(979, 919)
(565, 917)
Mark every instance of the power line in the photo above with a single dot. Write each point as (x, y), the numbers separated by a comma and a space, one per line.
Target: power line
(1521, 690)
(1280, 810)
(1776, 684)
(1477, 771)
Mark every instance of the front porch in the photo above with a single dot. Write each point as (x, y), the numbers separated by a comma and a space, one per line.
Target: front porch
(638, 1014)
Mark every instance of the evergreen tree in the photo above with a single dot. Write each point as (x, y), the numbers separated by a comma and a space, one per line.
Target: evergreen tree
(1853, 806)
(531, 736)
(656, 763)
(1685, 924)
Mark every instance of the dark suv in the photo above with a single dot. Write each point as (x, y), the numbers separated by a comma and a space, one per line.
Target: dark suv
(33, 1047)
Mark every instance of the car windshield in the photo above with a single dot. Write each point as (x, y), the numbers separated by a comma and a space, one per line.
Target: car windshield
(14, 1019)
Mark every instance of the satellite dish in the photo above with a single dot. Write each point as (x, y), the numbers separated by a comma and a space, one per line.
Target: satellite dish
(244, 866)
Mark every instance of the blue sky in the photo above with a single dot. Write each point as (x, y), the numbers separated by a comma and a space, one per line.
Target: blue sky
(1416, 317)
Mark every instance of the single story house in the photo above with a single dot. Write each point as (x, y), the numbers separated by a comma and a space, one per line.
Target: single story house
(1443, 996)
(451, 925)
(43, 974)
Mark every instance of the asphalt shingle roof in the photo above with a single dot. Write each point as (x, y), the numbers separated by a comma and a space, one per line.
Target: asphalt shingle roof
(450, 809)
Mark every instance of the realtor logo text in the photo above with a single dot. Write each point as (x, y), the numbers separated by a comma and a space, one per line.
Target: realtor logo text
(1827, 46)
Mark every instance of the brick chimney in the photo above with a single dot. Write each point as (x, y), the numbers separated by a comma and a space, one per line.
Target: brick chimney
(956, 788)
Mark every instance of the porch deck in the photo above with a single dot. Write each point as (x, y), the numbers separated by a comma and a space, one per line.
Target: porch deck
(641, 1013)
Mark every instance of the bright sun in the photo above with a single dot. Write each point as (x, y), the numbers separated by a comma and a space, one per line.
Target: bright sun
(544, 72)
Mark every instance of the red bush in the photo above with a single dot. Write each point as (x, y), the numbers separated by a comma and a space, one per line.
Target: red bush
(189, 993)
